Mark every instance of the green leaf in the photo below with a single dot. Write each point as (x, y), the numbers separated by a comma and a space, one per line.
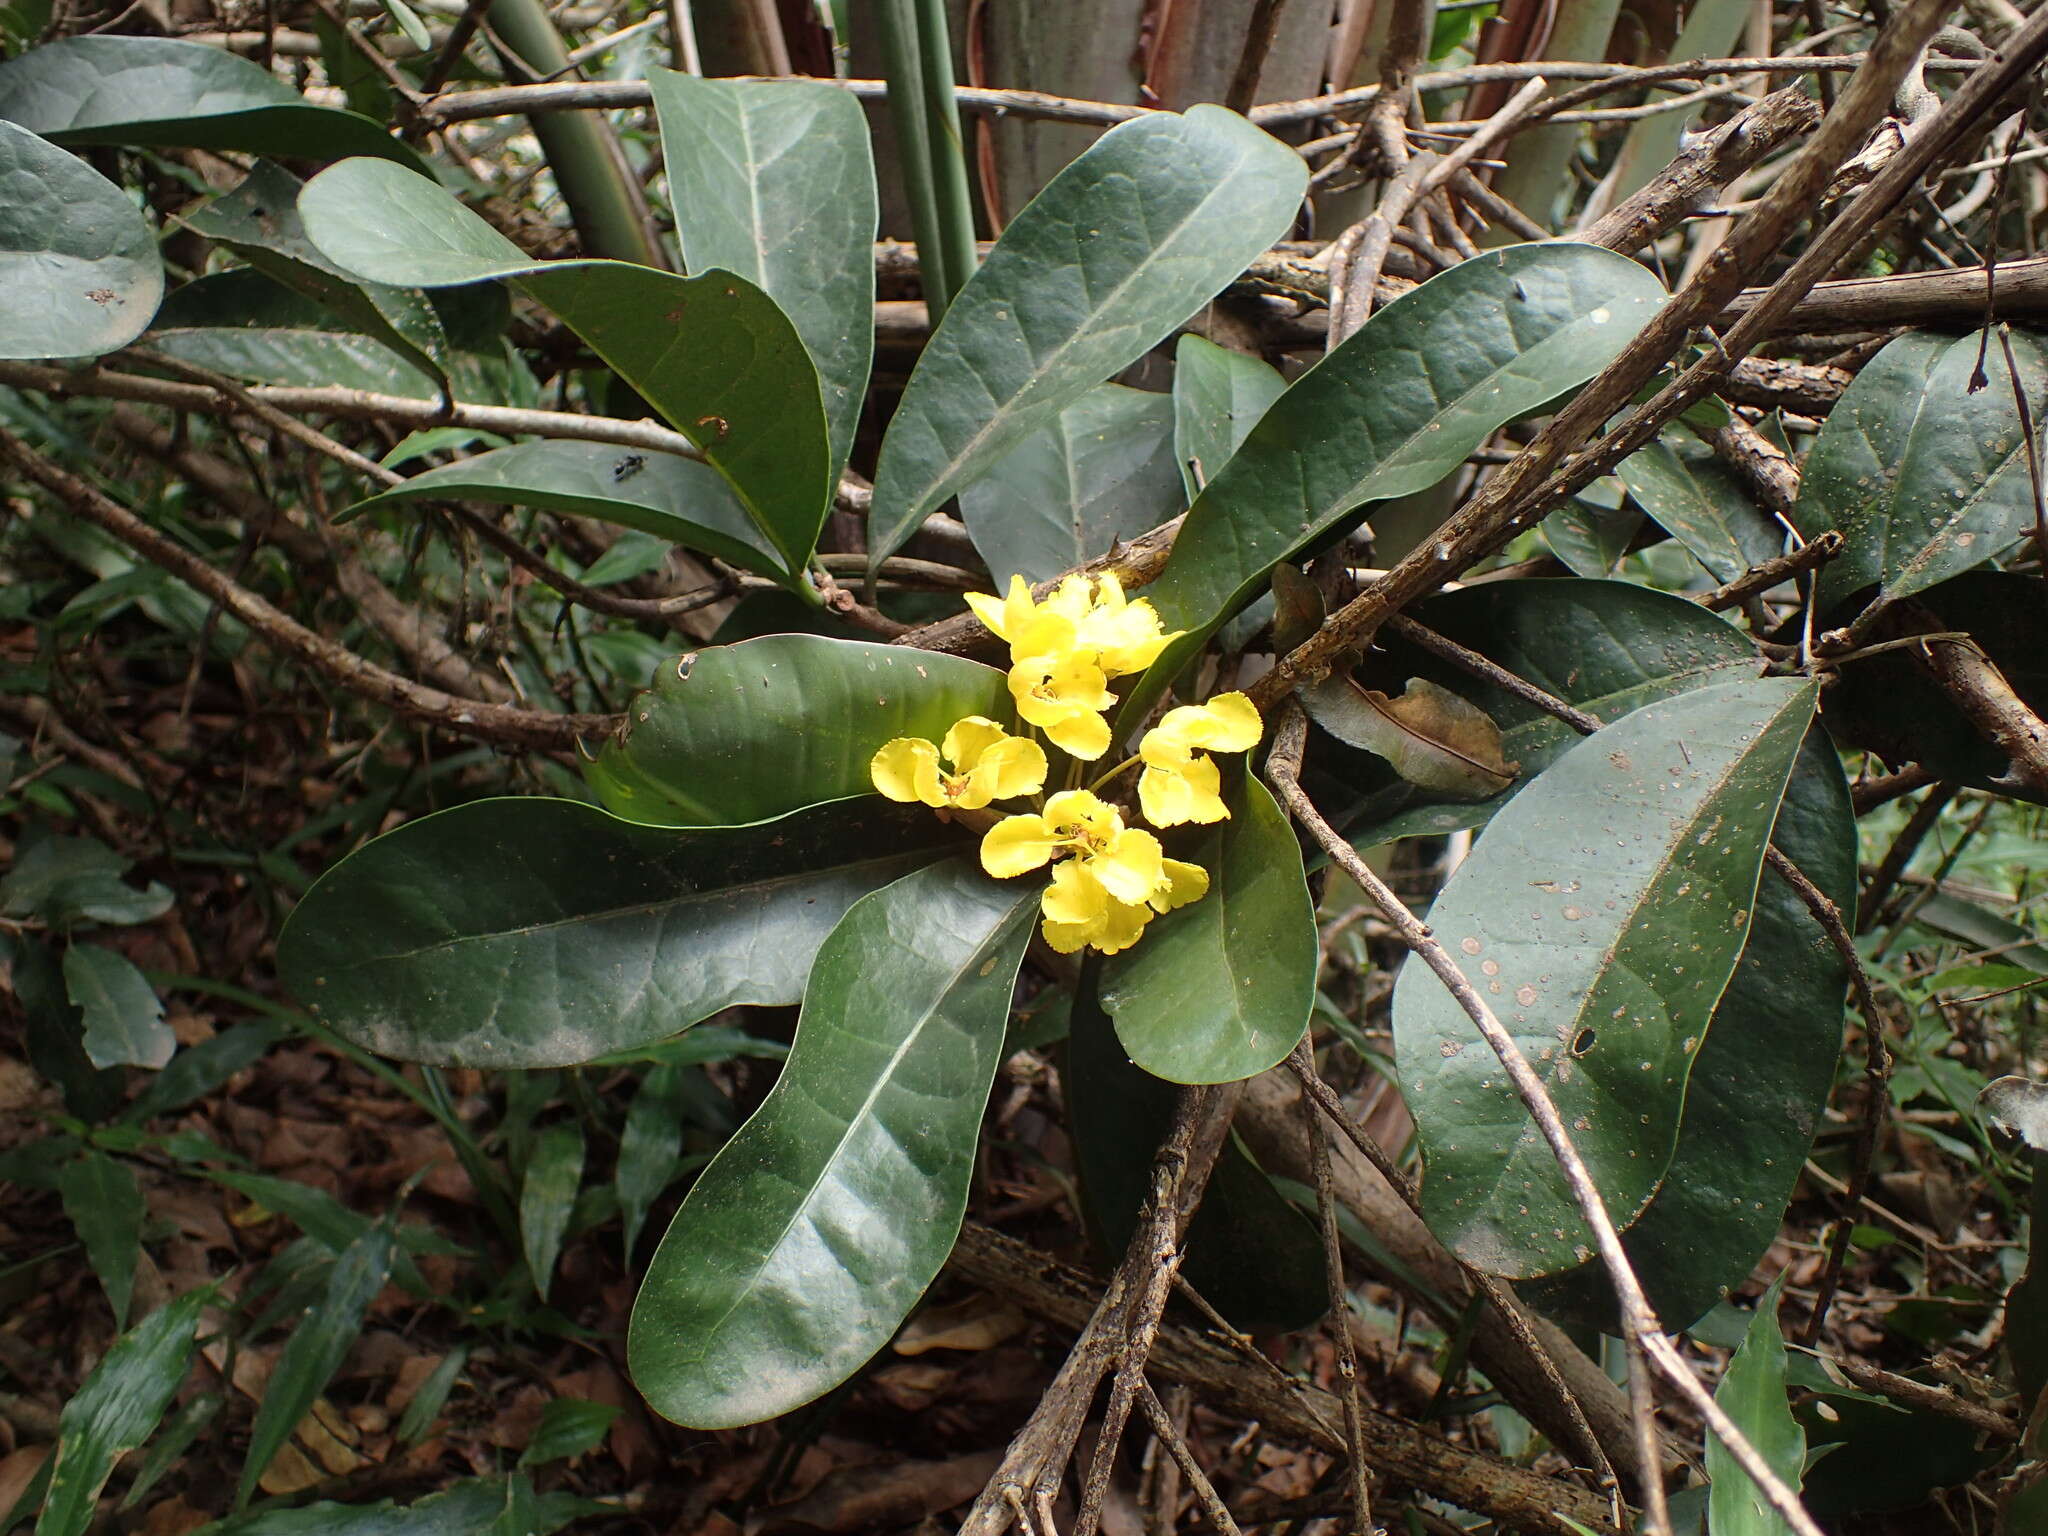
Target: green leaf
(1249, 1252)
(650, 1148)
(68, 880)
(1600, 915)
(168, 1446)
(486, 1506)
(116, 1409)
(1221, 989)
(1395, 408)
(775, 180)
(664, 494)
(569, 1426)
(410, 24)
(547, 1198)
(164, 94)
(124, 1018)
(712, 353)
(1758, 1087)
(78, 261)
(739, 733)
(1752, 1393)
(1923, 477)
(1606, 646)
(56, 1048)
(812, 1234)
(105, 1207)
(1700, 502)
(1100, 471)
(315, 1350)
(1122, 246)
(1218, 397)
(536, 933)
(306, 359)
(1591, 539)
(259, 221)
(432, 1397)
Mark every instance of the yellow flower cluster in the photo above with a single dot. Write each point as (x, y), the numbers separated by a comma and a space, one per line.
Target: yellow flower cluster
(1108, 879)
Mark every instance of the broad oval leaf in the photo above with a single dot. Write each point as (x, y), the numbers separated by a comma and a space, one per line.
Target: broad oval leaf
(163, 93)
(740, 733)
(1606, 646)
(1221, 989)
(1698, 500)
(124, 1018)
(775, 180)
(1122, 246)
(1600, 916)
(1759, 1086)
(1923, 476)
(674, 498)
(713, 353)
(78, 261)
(1100, 471)
(542, 933)
(1395, 408)
(1218, 397)
(814, 1231)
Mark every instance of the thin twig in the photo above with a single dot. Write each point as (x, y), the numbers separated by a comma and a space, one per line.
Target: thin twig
(1177, 1447)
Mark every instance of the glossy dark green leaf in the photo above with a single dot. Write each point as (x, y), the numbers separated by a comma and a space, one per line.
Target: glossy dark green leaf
(1752, 1393)
(63, 880)
(1100, 471)
(1122, 246)
(1606, 646)
(1924, 477)
(116, 1410)
(547, 1199)
(712, 353)
(162, 93)
(105, 1207)
(78, 261)
(1590, 538)
(740, 733)
(124, 1018)
(814, 1231)
(1758, 1087)
(775, 180)
(315, 1350)
(1393, 410)
(569, 1426)
(56, 1029)
(535, 933)
(1601, 916)
(675, 498)
(650, 1148)
(1218, 397)
(1221, 989)
(259, 221)
(1700, 502)
(1249, 1252)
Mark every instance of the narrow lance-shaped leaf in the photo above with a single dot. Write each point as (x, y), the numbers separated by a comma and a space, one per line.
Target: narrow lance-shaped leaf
(165, 93)
(1924, 475)
(536, 933)
(775, 180)
(1122, 246)
(547, 1198)
(650, 1149)
(1600, 917)
(815, 1230)
(1752, 1393)
(1100, 471)
(664, 494)
(713, 353)
(1395, 408)
(105, 1207)
(1221, 989)
(116, 1410)
(739, 733)
(78, 261)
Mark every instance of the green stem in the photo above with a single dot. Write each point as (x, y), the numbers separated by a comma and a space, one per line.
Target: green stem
(1538, 168)
(917, 59)
(579, 146)
(1129, 762)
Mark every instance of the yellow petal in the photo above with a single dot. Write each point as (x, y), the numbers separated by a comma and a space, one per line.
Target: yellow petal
(1227, 723)
(1017, 845)
(1126, 638)
(1131, 868)
(1079, 733)
(907, 769)
(967, 739)
(1122, 925)
(1068, 937)
(1171, 797)
(1074, 895)
(1184, 883)
(1093, 819)
(990, 610)
(1010, 767)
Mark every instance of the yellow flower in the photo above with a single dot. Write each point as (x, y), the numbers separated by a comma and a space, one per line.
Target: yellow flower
(1081, 614)
(1081, 910)
(1179, 784)
(1063, 694)
(1112, 878)
(988, 764)
(1125, 634)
